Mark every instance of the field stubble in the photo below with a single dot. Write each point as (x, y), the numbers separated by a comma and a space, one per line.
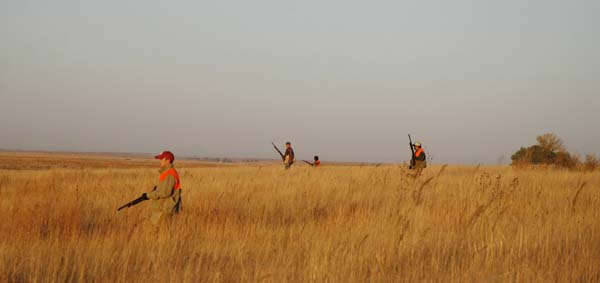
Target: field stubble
(332, 224)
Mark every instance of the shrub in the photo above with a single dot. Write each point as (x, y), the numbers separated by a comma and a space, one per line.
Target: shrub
(549, 150)
(591, 162)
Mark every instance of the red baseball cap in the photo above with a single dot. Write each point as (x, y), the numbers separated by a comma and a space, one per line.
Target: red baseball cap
(166, 154)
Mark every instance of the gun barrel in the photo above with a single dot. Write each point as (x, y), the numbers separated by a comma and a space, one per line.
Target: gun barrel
(278, 151)
(133, 202)
(412, 151)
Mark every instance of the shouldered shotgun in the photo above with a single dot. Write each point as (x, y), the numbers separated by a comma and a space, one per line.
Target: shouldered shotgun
(278, 151)
(412, 150)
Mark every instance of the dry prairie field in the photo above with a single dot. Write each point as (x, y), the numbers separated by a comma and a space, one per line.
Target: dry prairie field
(259, 223)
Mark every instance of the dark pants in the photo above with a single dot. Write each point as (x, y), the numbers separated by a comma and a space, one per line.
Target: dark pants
(420, 164)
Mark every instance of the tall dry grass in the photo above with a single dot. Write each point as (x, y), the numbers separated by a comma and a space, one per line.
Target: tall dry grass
(332, 224)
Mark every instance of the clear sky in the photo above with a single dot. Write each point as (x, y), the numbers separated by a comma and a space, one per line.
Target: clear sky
(348, 80)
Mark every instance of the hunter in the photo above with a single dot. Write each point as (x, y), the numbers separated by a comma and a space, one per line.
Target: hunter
(315, 163)
(420, 160)
(288, 157)
(166, 197)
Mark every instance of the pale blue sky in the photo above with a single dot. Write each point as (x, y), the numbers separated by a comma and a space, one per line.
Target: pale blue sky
(473, 80)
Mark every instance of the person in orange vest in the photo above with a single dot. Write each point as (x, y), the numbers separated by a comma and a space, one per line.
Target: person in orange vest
(420, 159)
(316, 162)
(166, 197)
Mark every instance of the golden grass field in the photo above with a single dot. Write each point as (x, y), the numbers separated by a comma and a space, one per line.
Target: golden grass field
(259, 223)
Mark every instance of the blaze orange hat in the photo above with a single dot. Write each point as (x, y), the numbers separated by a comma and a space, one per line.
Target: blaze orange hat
(166, 154)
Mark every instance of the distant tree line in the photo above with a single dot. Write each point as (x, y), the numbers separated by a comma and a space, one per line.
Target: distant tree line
(550, 151)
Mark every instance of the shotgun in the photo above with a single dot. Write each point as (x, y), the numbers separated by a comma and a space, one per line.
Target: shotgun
(278, 151)
(412, 150)
(135, 201)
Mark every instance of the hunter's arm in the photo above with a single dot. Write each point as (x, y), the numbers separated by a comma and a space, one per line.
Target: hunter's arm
(164, 189)
(286, 156)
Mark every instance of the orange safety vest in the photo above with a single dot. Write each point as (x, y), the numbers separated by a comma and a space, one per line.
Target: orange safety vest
(419, 151)
(173, 173)
(317, 163)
